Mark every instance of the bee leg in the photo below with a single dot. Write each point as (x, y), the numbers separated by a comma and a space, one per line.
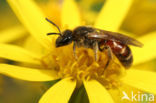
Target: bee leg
(109, 54)
(95, 48)
(74, 50)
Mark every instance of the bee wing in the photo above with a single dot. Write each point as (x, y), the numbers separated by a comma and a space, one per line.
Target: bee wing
(107, 35)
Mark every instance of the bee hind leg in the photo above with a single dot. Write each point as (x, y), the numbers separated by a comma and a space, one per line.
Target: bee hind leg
(109, 54)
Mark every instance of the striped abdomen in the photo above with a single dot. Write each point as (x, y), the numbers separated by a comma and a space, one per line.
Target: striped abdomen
(122, 52)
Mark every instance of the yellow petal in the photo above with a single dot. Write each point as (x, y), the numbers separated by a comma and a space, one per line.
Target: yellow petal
(16, 53)
(97, 93)
(33, 19)
(28, 74)
(60, 92)
(33, 46)
(70, 17)
(113, 14)
(144, 80)
(148, 51)
(12, 34)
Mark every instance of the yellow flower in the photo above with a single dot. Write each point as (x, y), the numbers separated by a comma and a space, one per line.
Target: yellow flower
(60, 64)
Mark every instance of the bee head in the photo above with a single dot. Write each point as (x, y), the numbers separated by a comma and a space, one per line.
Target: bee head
(64, 39)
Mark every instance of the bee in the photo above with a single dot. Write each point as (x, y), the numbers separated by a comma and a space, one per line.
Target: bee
(98, 40)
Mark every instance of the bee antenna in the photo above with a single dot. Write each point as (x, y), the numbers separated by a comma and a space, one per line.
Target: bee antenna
(54, 34)
(55, 26)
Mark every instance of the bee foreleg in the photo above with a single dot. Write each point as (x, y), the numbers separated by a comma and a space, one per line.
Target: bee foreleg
(74, 50)
(95, 48)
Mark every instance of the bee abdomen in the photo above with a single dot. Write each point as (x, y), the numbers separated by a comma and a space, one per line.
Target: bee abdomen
(125, 56)
(121, 51)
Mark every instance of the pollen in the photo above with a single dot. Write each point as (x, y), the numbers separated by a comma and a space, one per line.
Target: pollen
(85, 67)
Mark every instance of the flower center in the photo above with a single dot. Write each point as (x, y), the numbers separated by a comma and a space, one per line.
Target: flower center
(63, 61)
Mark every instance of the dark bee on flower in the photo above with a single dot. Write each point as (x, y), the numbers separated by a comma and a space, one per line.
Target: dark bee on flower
(98, 40)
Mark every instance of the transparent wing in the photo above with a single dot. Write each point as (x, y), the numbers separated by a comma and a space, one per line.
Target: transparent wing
(108, 35)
